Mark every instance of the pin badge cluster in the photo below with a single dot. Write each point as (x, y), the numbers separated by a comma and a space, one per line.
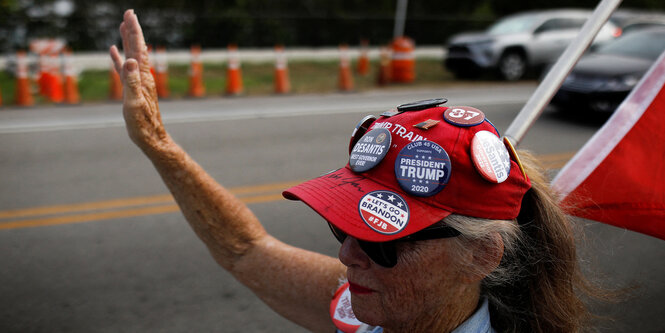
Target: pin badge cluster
(386, 212)
(422, 168)
(490, 157)
(463, 116)
(370, 150)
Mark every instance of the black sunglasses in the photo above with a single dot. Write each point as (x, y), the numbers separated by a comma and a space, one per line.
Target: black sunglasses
(385, 253)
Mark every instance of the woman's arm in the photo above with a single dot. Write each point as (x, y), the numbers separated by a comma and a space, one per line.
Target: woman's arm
(296, 283)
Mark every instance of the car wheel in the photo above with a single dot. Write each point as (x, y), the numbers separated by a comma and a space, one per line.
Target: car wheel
(512, 66)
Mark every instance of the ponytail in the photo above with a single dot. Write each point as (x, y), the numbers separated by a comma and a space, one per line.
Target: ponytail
(537, 285)
(543, 294)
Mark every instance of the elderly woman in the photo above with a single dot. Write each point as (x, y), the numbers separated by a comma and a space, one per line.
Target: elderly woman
(441, 227)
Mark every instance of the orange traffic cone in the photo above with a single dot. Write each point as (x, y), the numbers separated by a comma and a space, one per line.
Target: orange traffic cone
(233, 73)
(71, 87)
(115, 86)
(363, 60)
(345, 78)
(385, 70)
(23, 96)
(162, 73)
(196, 87)
(43, 77)
(54, 79)
(282, 83)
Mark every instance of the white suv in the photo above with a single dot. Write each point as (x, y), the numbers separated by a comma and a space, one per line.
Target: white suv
(518, 42)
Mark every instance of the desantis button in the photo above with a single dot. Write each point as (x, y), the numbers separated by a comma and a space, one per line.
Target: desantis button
(422, 168)
(490, 157)
(370, 150)
(463, 116)
(421, 105)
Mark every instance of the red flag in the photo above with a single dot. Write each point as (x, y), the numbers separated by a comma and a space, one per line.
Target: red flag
(618, 177)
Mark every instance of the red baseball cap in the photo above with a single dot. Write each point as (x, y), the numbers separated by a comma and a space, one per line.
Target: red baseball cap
(412, 167)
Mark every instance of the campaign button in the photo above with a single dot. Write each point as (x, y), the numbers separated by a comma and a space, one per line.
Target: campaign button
(463, 116)
(385, 212)
(370, 150)
(422, 168)
(490, 157)
(427, 124)
(421, 105)
(341, 311)
(390, 113)
(360, 130)
(515, 157)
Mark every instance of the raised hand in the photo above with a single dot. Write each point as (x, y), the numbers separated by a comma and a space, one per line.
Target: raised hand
(140, 106)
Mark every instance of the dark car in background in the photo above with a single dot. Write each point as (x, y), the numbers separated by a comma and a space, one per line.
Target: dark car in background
(630, 20)
(519, 42)
(603, 78)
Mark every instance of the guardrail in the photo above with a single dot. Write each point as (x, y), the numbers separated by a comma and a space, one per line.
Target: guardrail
(101, 60)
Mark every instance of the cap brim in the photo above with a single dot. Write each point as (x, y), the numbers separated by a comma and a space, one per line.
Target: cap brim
(336, 197)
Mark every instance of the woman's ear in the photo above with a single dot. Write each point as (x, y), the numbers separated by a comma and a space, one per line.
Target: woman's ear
(486, 257)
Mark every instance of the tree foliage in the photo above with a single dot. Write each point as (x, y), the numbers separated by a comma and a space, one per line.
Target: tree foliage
(92, 25)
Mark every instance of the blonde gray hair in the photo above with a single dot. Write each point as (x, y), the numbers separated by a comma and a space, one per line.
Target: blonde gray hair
(538, 286)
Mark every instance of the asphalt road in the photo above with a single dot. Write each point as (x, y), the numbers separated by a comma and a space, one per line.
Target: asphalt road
(90, 240)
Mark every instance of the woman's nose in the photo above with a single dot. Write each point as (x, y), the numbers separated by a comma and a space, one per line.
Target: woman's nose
(351, 255)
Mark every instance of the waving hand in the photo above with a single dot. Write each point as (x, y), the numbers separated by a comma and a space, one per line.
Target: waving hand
(140, 107)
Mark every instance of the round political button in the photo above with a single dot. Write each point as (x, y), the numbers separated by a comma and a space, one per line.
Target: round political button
(360, 130)
(463, 116)
(514, 156)
(421, 105)
(490, 157)
(370, 150)
(422, 168)
(385, 212)
(341, 311)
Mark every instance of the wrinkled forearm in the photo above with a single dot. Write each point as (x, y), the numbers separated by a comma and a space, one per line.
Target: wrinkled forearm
(296, 283)
(224, 223)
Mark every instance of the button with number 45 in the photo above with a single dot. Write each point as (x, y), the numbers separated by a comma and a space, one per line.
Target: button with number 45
(463, 116)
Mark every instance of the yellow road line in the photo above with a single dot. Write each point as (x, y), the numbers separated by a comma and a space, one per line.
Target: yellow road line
(160, 204)
(109, 204)
(117, 214)
(128, 202)
(68, 219)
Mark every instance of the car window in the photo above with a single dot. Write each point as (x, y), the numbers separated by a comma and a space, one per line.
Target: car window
(641, 45)
(560, 24)
(512, 25)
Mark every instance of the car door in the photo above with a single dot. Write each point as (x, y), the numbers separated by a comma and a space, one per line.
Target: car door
(551, 38)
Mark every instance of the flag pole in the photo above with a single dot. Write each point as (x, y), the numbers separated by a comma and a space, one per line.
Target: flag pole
(552, 81)
(400, 18)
